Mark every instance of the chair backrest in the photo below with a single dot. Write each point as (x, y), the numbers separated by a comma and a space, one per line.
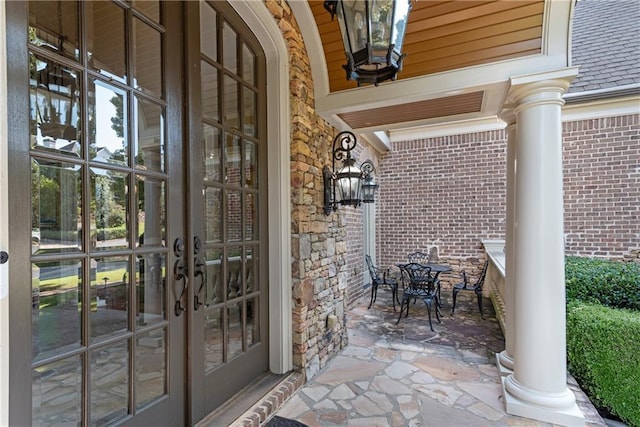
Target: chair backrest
(416, 275)
(419, 257)
(373, 271)
(480, 282)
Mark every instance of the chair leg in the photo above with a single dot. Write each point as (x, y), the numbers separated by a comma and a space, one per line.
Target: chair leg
(374, 292)
(394, 296)
(479, 295)
(438, 312)
(427, 302)
(455, 295)
(402, 308)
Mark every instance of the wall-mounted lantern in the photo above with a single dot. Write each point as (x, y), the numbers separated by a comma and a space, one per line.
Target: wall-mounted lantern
(369, 186)
(350, 185)
(372, 33)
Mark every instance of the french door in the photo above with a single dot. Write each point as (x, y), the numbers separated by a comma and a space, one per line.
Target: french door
(137, 211)
(228, 203)
(98, 334)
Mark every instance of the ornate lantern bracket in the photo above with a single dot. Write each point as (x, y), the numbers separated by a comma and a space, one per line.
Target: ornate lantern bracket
(350, 185)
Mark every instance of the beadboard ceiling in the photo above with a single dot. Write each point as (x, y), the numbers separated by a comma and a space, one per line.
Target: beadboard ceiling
(460, 56)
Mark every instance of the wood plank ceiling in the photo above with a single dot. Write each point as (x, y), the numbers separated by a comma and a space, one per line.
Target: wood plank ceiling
(446, 35)
(411, 111)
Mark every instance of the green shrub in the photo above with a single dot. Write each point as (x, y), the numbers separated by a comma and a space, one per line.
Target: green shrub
(603, 349)
(59, 235)
(119, 232)
(614, 284)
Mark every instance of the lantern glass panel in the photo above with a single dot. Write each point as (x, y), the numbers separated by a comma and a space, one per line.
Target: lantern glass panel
(381, 16)
(369, 190)
(353, 24)
(400, 20)
(349, 185)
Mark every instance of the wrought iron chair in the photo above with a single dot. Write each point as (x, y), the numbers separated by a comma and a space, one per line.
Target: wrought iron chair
(419, 257)
(418, 283)
(466, 286)
(425, 258)
(380, 276)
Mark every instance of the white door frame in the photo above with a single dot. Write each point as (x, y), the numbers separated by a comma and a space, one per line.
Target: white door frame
(261, 21)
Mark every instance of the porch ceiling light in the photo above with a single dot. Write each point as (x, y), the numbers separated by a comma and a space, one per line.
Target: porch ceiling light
(351, 185)
(372, 33)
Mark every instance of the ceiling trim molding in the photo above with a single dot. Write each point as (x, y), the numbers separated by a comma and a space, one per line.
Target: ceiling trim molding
(459, 127)
(435, 85)
(556, 29)
(378, 140)
(570, 113)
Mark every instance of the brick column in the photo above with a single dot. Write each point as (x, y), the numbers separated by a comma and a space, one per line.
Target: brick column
(538, 386)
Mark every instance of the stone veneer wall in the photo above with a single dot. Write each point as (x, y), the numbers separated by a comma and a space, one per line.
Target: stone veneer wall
(447, 193)
(319, 242)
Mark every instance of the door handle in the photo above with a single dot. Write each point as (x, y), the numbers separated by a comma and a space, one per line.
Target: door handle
(4, 257)
(199, 269)
(180, 274)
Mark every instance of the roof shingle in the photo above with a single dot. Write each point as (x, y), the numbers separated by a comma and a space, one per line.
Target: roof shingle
(606, 44)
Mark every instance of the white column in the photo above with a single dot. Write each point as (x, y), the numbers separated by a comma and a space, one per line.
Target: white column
(505, 357)
(538, 386)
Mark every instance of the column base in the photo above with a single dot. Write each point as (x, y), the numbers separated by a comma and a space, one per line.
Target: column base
(504, 362)
(564, 414)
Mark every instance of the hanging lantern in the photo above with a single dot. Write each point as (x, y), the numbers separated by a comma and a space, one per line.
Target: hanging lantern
(372, 33)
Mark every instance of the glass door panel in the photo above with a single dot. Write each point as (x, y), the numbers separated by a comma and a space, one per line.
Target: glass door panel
(228, 197)
(98, 317)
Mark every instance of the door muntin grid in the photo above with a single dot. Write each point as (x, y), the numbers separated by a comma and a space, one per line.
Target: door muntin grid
(231, 190)
(99, 196)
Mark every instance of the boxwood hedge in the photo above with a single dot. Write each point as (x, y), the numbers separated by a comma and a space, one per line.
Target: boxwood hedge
(614, 284)
(603, 350)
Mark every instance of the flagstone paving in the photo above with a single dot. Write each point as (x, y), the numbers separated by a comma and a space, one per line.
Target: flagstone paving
(407, 375)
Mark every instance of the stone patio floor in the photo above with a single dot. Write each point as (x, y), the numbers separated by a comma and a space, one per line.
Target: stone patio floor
(407, 375)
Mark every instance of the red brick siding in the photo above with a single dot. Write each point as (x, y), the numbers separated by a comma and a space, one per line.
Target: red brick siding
(354, 257)
(602, 186)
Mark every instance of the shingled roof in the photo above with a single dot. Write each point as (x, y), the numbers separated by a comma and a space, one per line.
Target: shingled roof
(606, 44)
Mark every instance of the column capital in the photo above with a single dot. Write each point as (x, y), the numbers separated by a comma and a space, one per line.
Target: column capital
(508, 114)
(537, 88)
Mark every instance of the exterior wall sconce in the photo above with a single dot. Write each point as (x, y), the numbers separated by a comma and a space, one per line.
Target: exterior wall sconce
(372, 33)
(351, 185)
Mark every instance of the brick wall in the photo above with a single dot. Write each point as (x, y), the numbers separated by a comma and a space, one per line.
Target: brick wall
(449, 193)
(602, 186)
